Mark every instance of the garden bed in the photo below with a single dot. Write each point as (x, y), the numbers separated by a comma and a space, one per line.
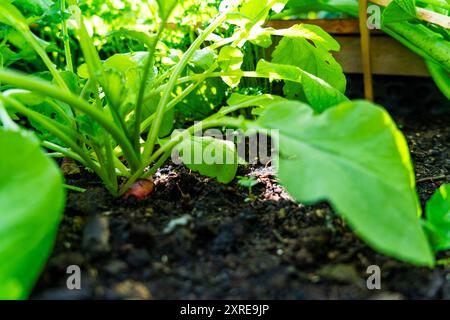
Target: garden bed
(236, 246)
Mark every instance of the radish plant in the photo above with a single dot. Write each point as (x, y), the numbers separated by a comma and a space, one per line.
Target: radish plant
(116, 118)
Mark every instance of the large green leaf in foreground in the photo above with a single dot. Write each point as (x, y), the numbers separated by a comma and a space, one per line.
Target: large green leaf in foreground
(31, 204)
(353, 156)
(437, 221)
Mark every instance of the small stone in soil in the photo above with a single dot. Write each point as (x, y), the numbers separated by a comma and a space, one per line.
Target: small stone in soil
(142, 236)
(225, 241)
(174, 223)
(96, 235)
(341, 273)
(116, 267)
(131, 290)
(138, 258)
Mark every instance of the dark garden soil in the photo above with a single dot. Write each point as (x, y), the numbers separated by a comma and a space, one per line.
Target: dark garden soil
(227, 244)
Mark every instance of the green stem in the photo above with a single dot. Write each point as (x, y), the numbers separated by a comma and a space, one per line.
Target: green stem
(21, 26)
(31, 39)
(54, 131)
(172, 104)
(95, 66)
(90, 53)
(163, 77)
(150, 143)
(168, 146)
(84, 94)
(443, 262)
(56, 155)
(140, 99)
(422, 41)
(121, 169)
(61, 112)
(158, 164)
(73, 188)
(110, 167)
(66, 39)
(44, 88)
(437, 3)
(66, 152)
(198, 80)
(6, 119)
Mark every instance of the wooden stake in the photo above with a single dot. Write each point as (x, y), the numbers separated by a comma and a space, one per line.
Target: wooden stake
(365, 51)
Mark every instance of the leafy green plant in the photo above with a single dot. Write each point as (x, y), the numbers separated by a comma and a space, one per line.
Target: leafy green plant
(29, 178)
(249, 183)
(115, 117)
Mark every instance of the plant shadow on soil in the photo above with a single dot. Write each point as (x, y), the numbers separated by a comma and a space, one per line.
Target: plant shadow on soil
(232, 246)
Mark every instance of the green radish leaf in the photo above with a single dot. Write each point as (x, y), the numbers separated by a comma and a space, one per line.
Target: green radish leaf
(23, 48)
(231, 59)
(437, 222)
(250, 17)
(409, 6)
(399, 11)
(203, 59)
(31, 205)
(135, 35)
(115, 87)
(39, 104)
(49, 111)
(200, 103)
(440, 76)
(123, 74)
(166, 8)
(34, 7)
(262, 101)
(72, 81)
(91, 129)
(26, 97)
(302, 85)
(210, 157)
(308, 47)
(11, 16)
(150, 105)
(255, 12)
(261, 37)
(353, 156)
(130, 66)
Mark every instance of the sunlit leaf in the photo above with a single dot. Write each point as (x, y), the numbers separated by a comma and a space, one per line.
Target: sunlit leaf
(353, 156)
(231, 59)
(302, 85)
(210, 157)
(308, 47)
(31, 206)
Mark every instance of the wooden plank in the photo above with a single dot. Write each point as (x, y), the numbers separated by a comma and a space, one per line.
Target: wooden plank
(365, 51)
(389, 57)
